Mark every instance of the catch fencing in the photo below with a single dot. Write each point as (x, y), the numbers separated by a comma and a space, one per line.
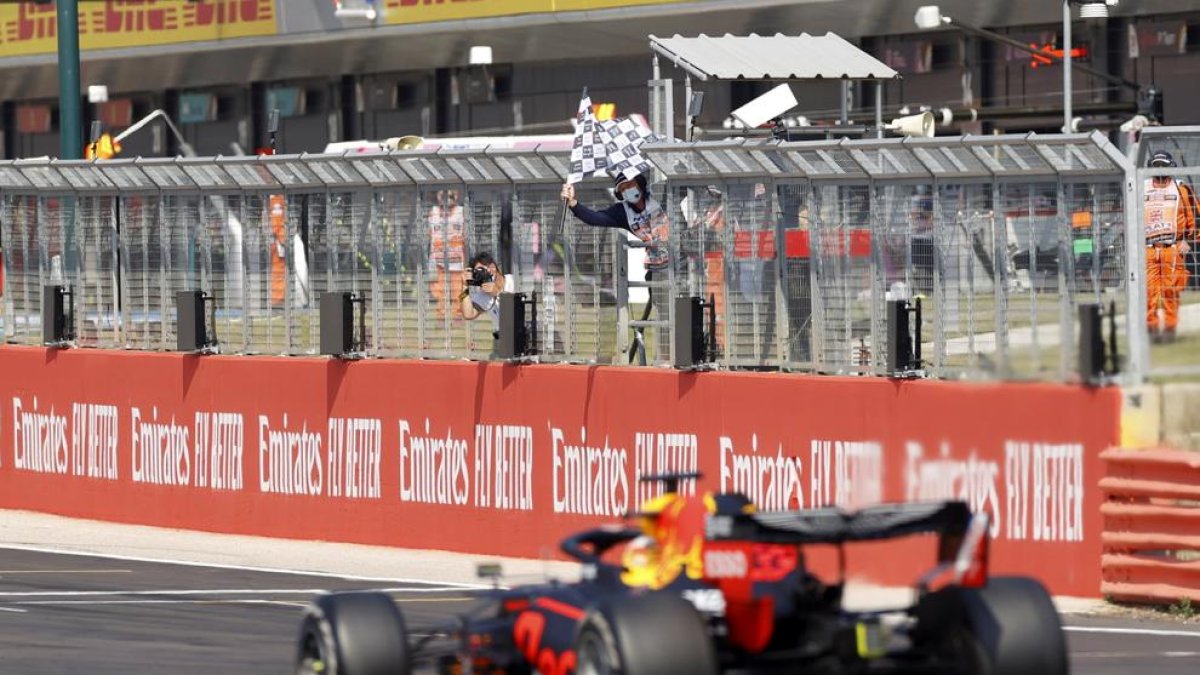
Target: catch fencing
(1173, 349)
(800, 246)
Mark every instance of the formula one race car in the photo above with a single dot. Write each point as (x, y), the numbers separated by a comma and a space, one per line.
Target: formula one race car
(708, 584)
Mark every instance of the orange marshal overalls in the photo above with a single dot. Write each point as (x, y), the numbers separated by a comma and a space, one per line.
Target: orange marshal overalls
(1170, 221)
(278, 252)
(446, 252)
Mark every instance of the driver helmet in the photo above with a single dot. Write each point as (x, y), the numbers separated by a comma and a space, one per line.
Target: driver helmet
(639, 561)
(648, 514)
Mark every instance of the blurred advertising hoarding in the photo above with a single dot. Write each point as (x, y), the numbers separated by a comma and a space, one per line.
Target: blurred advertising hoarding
(419, 11)
(28, 28)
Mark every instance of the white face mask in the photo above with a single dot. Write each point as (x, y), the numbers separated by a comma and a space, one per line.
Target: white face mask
(632, 195)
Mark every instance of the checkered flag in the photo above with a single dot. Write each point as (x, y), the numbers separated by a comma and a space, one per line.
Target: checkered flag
(588, 154)
(623, 138)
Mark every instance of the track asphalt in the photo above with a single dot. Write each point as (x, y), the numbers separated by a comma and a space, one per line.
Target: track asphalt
(71, 613)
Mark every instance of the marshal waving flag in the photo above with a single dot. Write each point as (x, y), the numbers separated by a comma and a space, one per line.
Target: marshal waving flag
(611, 146)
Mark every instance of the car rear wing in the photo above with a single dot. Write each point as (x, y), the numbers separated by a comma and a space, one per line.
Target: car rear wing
(835, 526)
(962, 549)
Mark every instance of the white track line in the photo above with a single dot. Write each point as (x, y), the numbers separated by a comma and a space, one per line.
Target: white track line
(4, 572)
(14, 610)
(285, 603)
(1132, 655)
(246, 568)
(1132, 631)
(211, 591)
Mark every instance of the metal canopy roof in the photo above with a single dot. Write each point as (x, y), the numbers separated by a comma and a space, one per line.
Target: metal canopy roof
(10, 177)
(679, 161)
(889, 158)
(731, 163)
(825, 161)
(208, 175)
(776, 57)
(1009, 156)
(948, 159)
(42, 176)
(1074, 155)
(426, 167)
(167, 174)
(472, 168)
(335, 172)
(524, 166)
(775, 161)
(250, 173)
(83, 177)
(291, 172)
(1026, 158)
(379, 169)
(127, 177)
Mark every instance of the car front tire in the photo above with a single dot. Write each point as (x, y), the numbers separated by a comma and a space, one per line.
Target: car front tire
(360, 633)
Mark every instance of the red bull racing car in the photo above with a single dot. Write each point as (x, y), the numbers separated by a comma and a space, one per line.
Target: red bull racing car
(709, 584)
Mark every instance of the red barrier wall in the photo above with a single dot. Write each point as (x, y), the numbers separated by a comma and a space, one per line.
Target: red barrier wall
(502, 460)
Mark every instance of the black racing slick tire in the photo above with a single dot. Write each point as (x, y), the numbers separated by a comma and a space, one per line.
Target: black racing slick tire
(1015, 628)
(361, 633)
(655, 634)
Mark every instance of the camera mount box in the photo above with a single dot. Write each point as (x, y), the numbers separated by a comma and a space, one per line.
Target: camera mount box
(518, 339)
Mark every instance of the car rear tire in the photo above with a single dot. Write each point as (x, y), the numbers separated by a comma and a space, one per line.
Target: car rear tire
(1015, 629)
(655, 634)
(361, 633)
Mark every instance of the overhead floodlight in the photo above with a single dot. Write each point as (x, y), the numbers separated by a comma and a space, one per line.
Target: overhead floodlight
(1095, 9)
(480, 55)
(930, 16)
(356, 9)
(766, 107)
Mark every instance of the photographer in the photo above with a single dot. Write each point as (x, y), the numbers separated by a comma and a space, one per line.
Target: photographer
(483, 282)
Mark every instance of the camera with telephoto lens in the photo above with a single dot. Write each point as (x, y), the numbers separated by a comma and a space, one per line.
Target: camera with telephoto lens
(480, 276)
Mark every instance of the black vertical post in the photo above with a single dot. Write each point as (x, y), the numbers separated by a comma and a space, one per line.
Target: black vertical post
(899, 343)
(535, 345)
(1114, 362)
(712, 325)
(1091, 343)
(916, 341)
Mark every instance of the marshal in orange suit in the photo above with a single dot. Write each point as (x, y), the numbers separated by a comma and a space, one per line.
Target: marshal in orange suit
(1170, 220)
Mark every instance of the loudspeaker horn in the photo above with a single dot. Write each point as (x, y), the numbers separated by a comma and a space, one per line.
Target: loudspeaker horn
(405, 143)
(914, 125)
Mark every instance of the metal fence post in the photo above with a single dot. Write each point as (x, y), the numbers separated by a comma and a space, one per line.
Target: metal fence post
(1066, 286)
(783, 320)
(1135, 275)
(1000, 267)
(621, 281)
(70, 118)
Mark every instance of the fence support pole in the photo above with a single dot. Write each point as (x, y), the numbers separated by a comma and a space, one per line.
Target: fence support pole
(70, 123)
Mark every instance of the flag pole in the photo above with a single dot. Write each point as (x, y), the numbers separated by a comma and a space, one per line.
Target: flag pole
(562, 208)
